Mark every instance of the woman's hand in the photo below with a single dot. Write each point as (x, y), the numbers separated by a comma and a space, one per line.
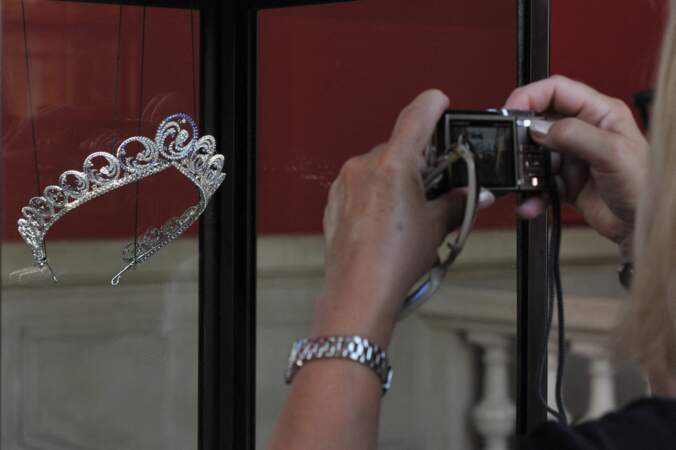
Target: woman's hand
(381, 232)
(603, 153)
(381, 236)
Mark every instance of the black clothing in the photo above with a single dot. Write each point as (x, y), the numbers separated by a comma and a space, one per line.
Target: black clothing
(646, 424)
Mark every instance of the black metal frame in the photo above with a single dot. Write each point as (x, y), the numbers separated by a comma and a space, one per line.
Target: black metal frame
(227, 233)
(227, 242)
(228, 227)
(252, 5)
(532, 253)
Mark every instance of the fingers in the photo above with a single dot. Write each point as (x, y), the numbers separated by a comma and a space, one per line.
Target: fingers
(573, 176)
(573, 137)
(415, 125)
(486, 198)
(555, 161)
(532, 208)
(332, 210)
(572, 98)
(450, 207)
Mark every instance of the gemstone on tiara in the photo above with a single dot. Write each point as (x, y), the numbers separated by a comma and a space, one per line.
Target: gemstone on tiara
(176, 144)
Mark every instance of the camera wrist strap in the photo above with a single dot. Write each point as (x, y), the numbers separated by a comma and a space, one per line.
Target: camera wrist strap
(454, 242)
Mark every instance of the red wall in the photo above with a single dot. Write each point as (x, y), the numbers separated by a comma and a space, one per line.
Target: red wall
(611, 45)
(73, 66)
(332, 80)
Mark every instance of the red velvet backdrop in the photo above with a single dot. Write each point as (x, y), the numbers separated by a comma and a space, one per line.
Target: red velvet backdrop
(332, 80)
(72, 56)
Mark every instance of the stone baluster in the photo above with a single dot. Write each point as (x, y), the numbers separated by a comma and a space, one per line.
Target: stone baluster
(494, 415)
(601, 378)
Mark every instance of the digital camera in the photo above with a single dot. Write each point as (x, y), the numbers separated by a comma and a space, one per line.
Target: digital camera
(505, 156)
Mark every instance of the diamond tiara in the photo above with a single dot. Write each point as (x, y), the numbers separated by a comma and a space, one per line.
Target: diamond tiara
(177, 144)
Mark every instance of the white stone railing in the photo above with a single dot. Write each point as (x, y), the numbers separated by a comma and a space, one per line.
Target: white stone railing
(475, 308)
(87, 365)
(487, 321)
(453, 383)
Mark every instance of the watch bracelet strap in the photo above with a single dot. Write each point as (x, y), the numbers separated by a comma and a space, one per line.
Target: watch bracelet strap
(352, 348)
(625, 273)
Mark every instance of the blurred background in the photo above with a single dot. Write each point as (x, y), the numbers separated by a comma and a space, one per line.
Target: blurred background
(87, 365)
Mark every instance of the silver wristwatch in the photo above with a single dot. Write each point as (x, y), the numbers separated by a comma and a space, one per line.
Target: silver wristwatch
(625, 273)
(353, 348)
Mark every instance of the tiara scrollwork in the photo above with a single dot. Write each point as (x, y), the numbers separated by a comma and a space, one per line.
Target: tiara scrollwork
(176, 144)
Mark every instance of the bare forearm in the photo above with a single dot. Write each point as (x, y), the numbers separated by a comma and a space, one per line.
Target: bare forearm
(381, 236)
(333, 405)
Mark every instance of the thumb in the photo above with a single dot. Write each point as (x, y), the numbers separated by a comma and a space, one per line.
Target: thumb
(576, 138)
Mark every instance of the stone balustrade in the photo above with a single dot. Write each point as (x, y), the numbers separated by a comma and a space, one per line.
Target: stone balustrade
(488, 322)
(453, 360)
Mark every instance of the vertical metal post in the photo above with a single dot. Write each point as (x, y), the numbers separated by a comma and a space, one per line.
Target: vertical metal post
(227, 275)
(532, 268)
(227, 278)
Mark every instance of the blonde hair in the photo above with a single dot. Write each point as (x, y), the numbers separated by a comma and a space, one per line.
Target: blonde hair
(651, 324)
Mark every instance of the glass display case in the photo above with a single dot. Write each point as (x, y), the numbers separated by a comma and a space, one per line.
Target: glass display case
(332, 80)
(86, 364)
(189, 350)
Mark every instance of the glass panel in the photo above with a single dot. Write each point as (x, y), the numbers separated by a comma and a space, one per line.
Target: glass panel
(333, 79)
(86, 364)
(593, 58)
(596, 48)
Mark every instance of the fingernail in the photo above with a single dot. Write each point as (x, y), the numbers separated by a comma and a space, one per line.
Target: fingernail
(486, 198)
(540, 127)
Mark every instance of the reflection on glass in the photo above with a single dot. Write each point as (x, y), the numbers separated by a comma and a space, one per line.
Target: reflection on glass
(333, 79)
(86, 364)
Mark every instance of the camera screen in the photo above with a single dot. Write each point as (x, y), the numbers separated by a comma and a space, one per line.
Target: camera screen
(493, 148)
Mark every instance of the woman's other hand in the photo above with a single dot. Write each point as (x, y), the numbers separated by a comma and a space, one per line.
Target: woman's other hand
(603, 153)
(381, 233)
